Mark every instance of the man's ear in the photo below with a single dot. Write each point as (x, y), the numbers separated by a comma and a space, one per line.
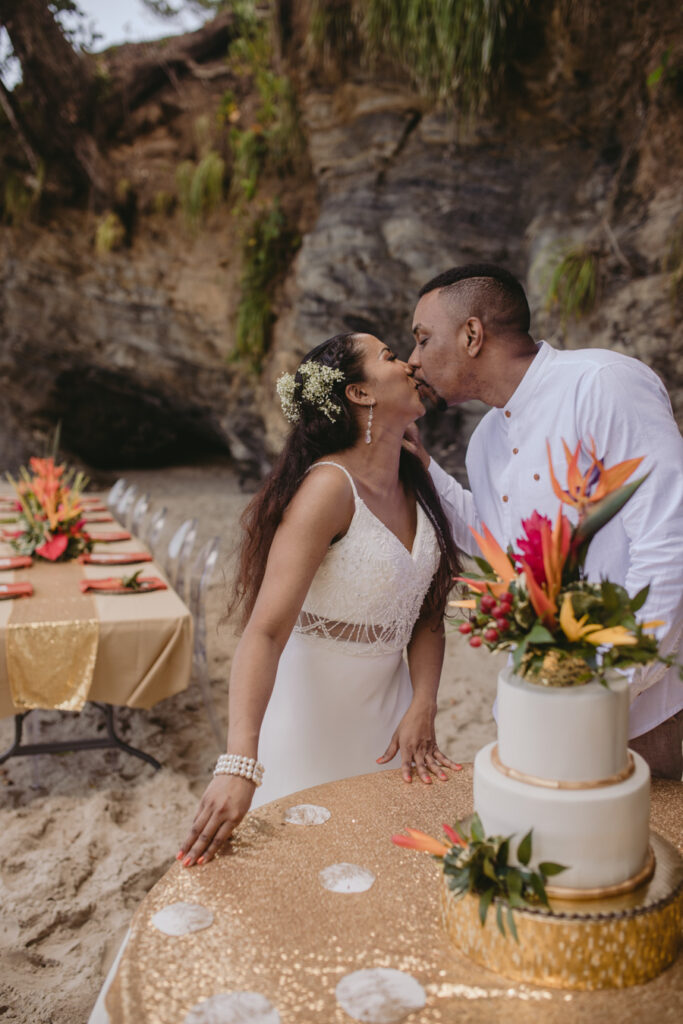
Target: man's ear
(474, 331)
(357, 394)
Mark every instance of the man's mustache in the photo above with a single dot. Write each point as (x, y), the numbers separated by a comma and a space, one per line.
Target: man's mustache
(427, 392)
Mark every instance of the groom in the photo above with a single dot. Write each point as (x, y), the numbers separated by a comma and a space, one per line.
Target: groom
(471, 330)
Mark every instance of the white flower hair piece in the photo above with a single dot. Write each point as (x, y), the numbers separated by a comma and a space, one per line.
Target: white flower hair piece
(318, 381)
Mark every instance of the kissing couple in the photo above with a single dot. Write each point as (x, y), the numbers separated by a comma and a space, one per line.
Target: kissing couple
(351, 545)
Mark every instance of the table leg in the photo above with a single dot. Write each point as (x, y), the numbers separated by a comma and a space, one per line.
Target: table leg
(19, 749)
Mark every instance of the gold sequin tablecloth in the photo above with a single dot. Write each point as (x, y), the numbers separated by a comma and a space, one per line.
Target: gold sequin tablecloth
(61, 647)
(278, 932)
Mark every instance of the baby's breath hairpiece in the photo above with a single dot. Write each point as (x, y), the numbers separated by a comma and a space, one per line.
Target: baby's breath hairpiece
(318, 381)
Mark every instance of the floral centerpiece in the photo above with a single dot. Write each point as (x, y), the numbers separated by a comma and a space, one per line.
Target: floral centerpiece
(535, 601)
(50, 511)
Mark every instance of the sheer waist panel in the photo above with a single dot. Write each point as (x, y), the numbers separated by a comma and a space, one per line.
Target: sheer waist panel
(387, 638)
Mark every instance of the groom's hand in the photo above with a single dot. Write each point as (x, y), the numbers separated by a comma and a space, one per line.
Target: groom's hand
(413, 443)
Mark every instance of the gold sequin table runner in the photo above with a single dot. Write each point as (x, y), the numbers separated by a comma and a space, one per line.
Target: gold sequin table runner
(60, 647)
(51, 644)
(276, 930)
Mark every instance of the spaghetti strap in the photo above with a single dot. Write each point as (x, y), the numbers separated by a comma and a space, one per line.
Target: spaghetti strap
(343, 469)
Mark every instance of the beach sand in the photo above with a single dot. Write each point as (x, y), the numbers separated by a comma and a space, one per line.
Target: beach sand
(86, 835)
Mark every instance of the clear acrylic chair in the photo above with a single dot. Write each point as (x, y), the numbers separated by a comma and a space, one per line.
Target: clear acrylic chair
(116, 492)
(202, 570)
(178, 549)
(125, 505)
(155, 527)
(181, 583)
(140, 510)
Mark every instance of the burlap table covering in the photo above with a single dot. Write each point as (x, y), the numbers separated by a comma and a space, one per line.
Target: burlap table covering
(276, 930)
(60, 647)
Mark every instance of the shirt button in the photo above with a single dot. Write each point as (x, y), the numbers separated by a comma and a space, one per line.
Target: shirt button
(536, 476)
(515, 451)
(508, 413)
(505, 497)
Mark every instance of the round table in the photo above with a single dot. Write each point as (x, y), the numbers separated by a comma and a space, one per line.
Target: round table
(278, 931)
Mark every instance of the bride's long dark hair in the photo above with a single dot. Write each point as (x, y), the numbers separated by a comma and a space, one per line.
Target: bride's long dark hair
(312, 437)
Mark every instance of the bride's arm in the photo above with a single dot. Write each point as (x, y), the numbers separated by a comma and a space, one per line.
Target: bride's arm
(320, 510)
(415, 736)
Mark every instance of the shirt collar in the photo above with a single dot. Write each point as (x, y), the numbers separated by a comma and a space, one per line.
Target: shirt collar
(522, 394)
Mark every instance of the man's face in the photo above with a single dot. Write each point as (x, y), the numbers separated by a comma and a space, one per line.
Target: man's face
(439, 359)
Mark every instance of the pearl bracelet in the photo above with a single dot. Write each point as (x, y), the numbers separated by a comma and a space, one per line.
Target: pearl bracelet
(235, 764)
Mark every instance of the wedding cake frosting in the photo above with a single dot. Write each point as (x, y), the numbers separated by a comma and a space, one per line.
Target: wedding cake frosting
(561, 767)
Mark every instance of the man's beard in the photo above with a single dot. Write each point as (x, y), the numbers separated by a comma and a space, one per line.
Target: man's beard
(431, 398)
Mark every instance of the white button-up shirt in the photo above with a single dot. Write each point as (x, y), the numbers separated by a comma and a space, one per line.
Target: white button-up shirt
(624, 407)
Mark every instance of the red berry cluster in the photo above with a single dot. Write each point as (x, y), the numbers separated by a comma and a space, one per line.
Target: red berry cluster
(492, 620)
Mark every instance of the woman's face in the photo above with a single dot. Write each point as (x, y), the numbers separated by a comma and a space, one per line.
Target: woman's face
(390, 381)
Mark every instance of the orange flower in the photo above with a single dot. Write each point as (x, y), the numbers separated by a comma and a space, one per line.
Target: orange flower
(417, 840)
(595, 484)
(499, 562)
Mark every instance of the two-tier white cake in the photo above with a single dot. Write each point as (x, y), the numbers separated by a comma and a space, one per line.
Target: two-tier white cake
(562, 768)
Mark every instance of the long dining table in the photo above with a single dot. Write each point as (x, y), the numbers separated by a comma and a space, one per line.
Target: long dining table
(61, 647)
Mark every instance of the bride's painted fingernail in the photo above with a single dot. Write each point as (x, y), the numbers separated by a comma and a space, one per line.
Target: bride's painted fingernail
(179, 855)
(200, 860)
(458, 767)
(187, 862)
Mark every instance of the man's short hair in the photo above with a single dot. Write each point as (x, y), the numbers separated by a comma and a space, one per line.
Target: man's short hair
(487, 291)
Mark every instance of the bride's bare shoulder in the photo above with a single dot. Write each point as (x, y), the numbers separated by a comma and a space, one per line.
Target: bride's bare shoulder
(325, 490)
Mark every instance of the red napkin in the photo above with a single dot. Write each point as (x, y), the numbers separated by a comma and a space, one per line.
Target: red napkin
(105, 538)
(114, 558)
(12, 534)
(19, 589)
(92, 500)
(87, 518)
(114, 585)
(15, 562)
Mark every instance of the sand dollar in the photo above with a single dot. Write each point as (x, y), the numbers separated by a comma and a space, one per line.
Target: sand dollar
(380, 995)
(307, 814)
(182, 918)
(234, 1008)
(346, 878)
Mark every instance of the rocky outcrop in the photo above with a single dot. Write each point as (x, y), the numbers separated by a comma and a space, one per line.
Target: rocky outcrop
(132, 350)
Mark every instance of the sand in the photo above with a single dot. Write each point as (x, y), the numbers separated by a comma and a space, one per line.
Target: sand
(86, 835)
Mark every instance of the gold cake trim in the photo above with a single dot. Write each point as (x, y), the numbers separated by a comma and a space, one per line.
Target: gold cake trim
(605, 892)
(536, 780)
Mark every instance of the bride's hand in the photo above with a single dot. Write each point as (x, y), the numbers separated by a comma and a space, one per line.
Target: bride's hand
(416, 739)
(226, 800)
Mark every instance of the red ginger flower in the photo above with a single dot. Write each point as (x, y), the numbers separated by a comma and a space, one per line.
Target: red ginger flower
(531, 546)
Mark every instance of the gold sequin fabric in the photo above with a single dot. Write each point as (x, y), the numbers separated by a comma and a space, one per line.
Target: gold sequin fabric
(277, 931)
(51, 644)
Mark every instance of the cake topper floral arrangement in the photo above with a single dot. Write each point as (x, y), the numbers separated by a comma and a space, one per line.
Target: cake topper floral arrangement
(50, 511)
(536, 602)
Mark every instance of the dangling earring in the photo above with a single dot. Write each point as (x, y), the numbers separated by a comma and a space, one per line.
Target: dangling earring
(368, 432)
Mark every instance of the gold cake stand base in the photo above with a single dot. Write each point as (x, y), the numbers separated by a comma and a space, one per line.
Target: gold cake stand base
(589, 944)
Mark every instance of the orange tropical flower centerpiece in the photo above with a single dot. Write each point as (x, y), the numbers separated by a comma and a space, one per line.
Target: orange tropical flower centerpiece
(50, 511)
(535, 601)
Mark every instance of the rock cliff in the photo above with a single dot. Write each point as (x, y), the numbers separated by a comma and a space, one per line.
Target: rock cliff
(131, 348)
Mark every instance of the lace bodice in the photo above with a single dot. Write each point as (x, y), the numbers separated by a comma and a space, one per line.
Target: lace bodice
(369, 588)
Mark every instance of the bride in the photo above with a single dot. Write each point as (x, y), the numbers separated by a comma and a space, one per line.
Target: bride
(345, 563)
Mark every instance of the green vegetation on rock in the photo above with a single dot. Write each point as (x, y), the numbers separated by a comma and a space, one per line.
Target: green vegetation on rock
(448, 48)
(573, 286)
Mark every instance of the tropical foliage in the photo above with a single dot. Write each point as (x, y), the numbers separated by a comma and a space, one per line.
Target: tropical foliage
(479, 865)
(50, 511)
(535, 600)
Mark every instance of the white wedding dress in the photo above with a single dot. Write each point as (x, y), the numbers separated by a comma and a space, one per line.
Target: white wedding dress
(342, 684)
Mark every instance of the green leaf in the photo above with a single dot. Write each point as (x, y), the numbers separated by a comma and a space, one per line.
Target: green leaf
(484, 565)
(549, 868)
(640, 598)
(499, 918)
(539, 635)
(484, 904)
(524, 849)
(512, 926)
(503, 853)
(518, 654)
(477, 829)
(536, 883)
(654, 76)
